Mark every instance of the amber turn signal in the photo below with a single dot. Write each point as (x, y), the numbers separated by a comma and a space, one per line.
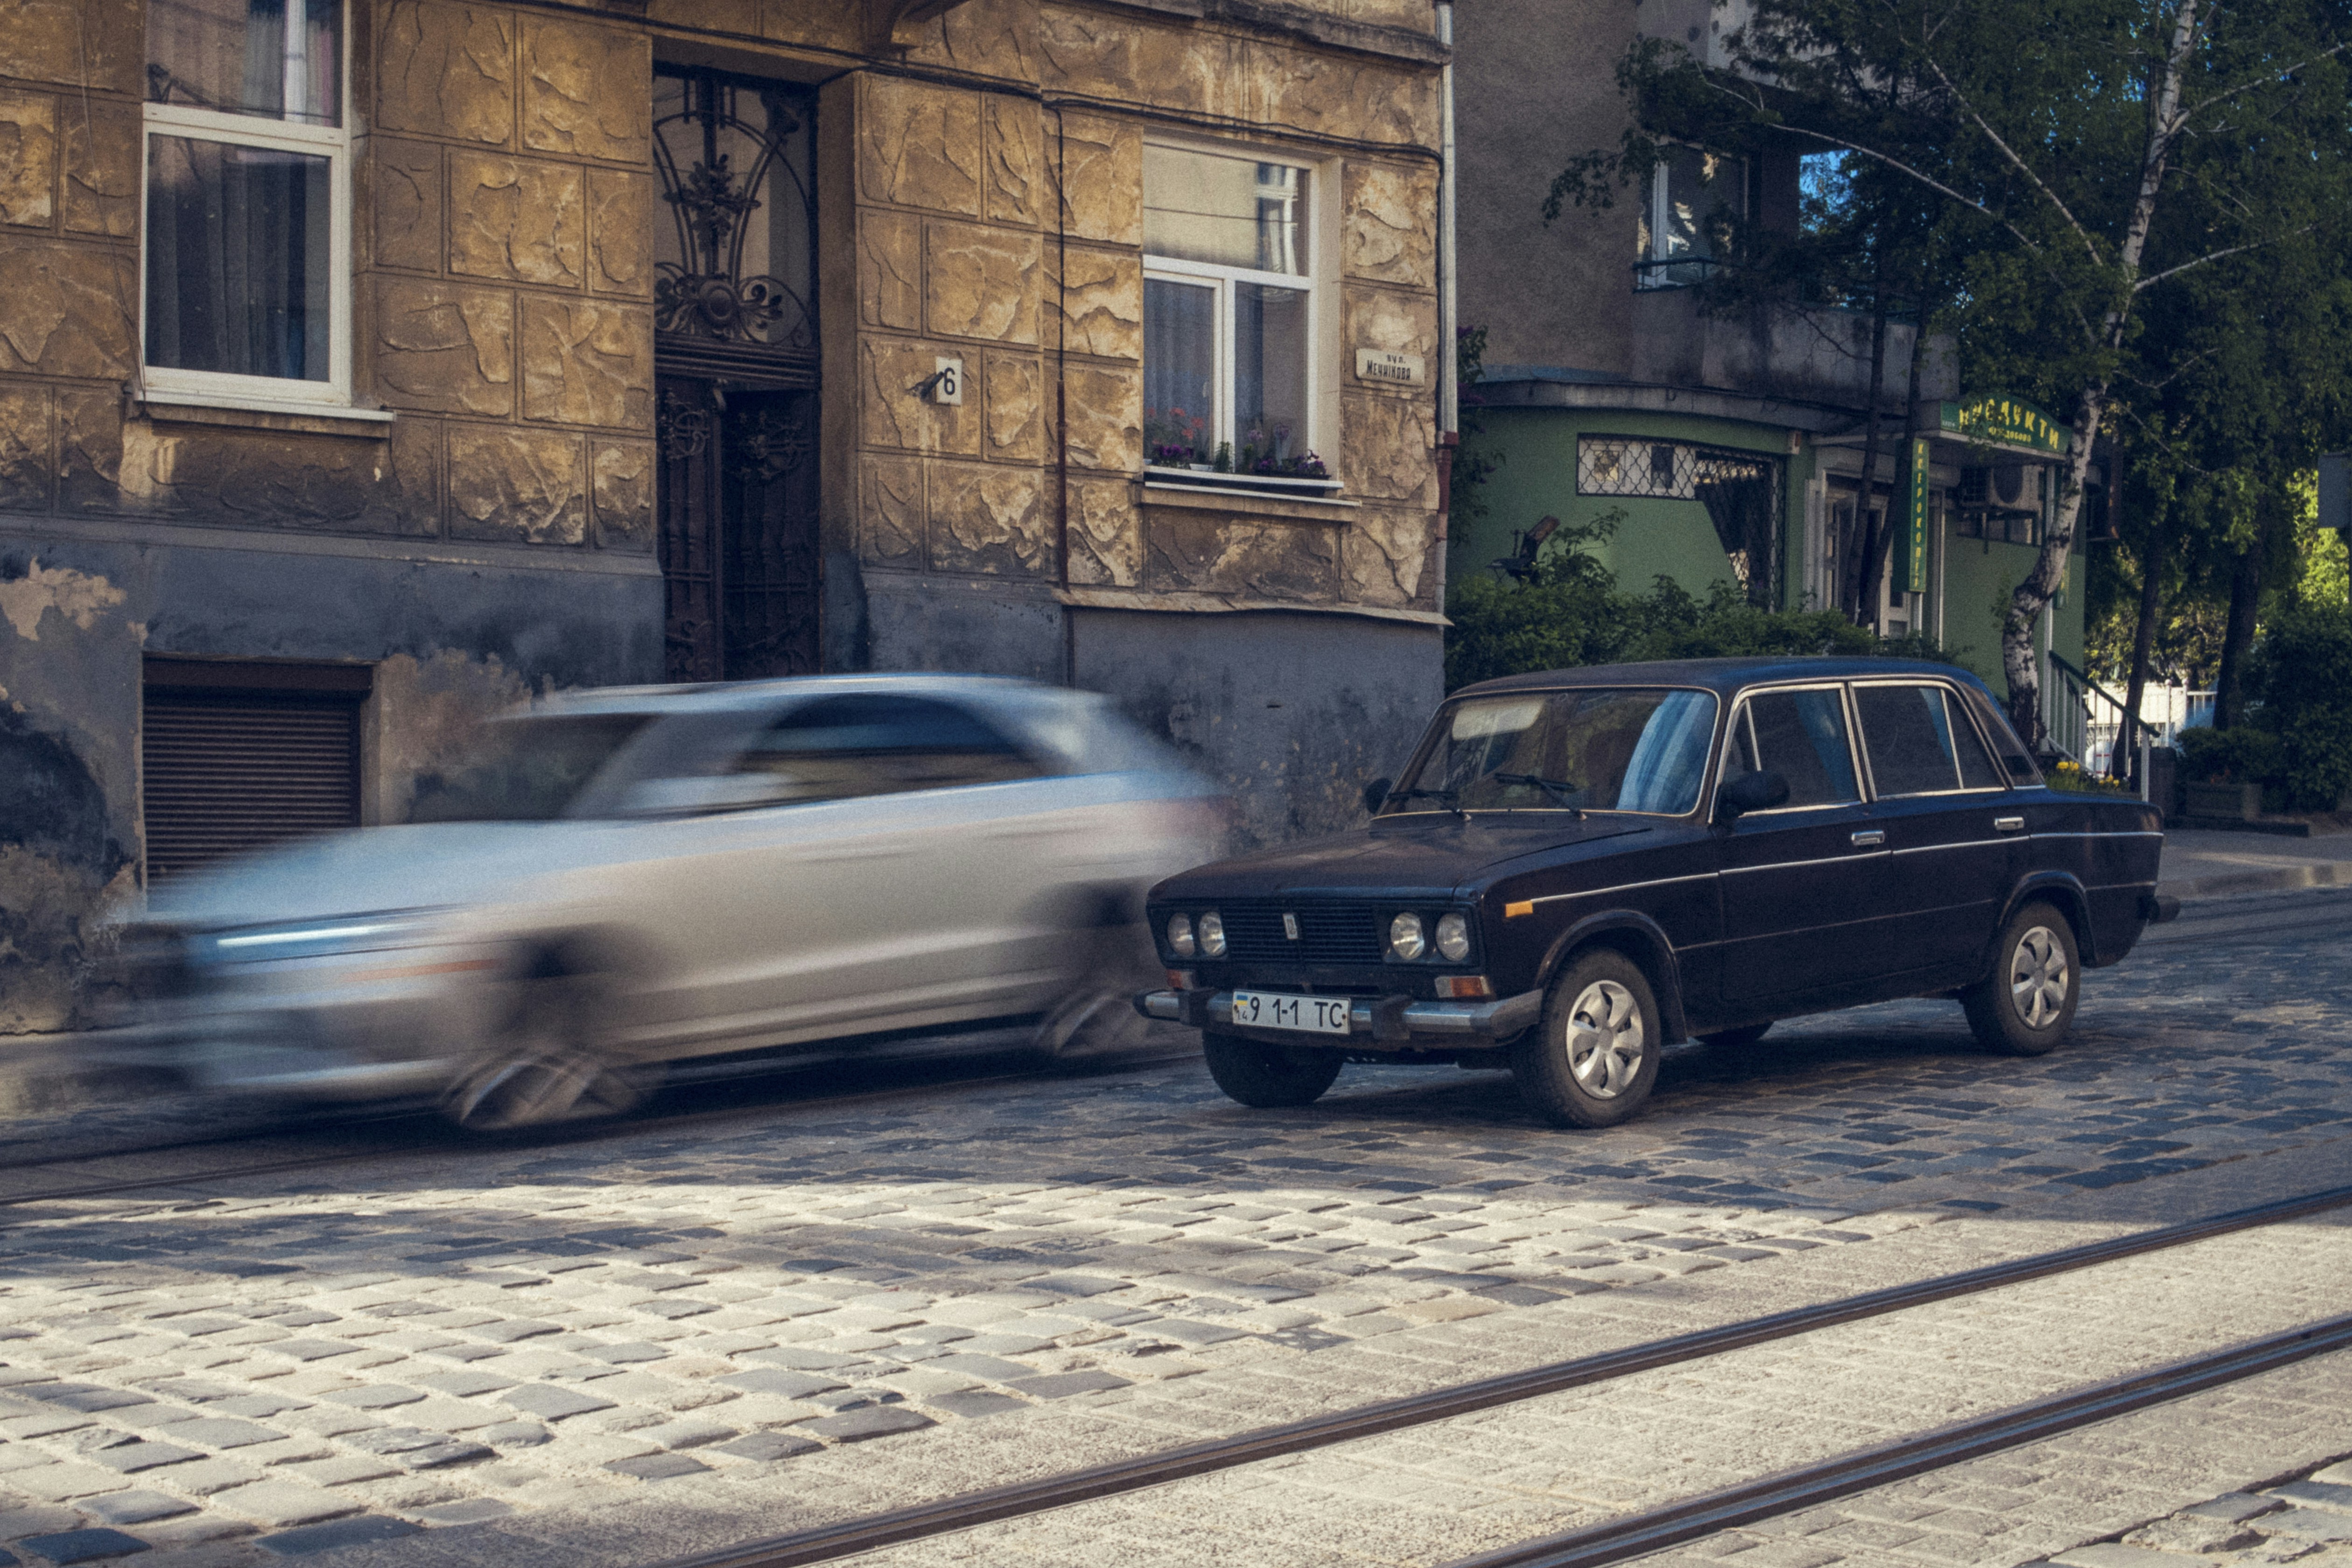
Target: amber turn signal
(1524, 907)
(1465, 986)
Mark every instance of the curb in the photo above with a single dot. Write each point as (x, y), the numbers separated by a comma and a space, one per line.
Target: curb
(2286, 879)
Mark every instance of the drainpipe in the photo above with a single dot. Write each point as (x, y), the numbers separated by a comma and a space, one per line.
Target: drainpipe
(1449, 410)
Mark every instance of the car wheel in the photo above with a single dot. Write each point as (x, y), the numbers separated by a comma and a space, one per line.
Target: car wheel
(2026, 1004)
(1593, 1059)
(1097, 1019)
(546, 1066)
(1736, 1039)
(1268, 1076)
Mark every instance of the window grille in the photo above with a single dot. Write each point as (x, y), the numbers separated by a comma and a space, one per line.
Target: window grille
(1670, 470)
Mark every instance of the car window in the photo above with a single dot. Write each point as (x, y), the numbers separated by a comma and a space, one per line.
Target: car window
(1908, 732)
(525, 769)
(1977, 769)
(869, 744)
(1599, 749)
(1801, 736)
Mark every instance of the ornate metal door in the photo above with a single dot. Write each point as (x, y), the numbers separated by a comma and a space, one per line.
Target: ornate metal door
(735, 349)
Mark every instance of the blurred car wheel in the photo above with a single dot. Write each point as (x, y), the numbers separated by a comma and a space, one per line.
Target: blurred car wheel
(1266, 1076)
(546, 1066)
(1097, 1019)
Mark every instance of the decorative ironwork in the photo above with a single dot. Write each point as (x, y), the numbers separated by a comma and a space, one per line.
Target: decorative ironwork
(767, 447)
(682, 428)
(728, 151)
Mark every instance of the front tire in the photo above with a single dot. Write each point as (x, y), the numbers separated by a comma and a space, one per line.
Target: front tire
(1268, 1076)
(2026, 1004)
(1594, 1058)
(548, 1065)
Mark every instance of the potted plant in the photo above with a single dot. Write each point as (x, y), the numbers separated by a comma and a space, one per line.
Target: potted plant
(1178, 443)
(2227, 769)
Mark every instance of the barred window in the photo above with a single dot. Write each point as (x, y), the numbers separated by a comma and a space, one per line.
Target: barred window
(1741, 492)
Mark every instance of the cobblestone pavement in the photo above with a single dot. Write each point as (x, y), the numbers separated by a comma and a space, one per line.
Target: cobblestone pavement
(749, 1325)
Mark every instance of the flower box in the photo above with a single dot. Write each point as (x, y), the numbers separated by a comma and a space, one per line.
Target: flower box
(1206, 478)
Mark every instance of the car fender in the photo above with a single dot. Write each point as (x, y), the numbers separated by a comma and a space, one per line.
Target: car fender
(2063, 889)
(1640, 938)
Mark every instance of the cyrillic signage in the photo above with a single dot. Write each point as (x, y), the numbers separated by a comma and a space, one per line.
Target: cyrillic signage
(2006, 421)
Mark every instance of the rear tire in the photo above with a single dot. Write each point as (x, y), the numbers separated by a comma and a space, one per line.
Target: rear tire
(547, 1064)
(2026, 1004)
(1268, 1076)
(1593, 1059)
(1738, 1039)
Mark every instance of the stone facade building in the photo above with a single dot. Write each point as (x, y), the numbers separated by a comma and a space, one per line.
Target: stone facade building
(369, 366)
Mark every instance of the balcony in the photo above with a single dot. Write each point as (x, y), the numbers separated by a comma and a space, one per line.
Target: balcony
(1804, 352)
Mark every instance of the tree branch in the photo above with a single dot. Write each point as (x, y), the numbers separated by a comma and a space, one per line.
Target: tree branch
(2153, 278)
(2090, 244)
(2182, 116)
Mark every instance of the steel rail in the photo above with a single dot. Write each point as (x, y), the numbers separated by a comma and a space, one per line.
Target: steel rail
(556, 1137)
(1634, 1535)
(827, 1542)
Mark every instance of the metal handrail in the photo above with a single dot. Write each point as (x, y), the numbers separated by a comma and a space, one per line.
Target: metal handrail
(2072, 721)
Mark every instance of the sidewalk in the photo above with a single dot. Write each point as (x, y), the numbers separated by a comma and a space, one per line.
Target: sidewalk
(2203, 864)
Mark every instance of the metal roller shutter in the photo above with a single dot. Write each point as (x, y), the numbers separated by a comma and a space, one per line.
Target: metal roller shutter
(230, 772)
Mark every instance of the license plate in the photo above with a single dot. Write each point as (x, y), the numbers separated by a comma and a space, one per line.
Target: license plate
(1268, 1010)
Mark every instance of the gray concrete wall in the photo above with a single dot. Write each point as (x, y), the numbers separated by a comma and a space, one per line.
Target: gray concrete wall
(452, 640)
(1292, 712)
(1534, 85)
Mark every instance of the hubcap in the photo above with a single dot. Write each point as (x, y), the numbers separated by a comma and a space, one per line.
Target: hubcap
(1604, 1039)
(2037, 977)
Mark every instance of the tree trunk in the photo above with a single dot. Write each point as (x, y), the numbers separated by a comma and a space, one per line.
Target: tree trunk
(1881, 546)
(2151, 574)
(2018, 666)
(1850, 587)
(2238, 636)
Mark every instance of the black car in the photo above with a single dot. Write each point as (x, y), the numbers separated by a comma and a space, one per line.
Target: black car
(1581, 868)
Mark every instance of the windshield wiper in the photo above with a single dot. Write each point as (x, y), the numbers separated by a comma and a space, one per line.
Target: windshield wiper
(1449, 798)
(1559, 789)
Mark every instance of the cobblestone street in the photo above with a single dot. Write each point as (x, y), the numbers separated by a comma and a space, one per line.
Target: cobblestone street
(691, 1334)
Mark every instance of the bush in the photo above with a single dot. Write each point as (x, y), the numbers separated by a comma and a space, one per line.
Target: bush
(1569, 611)
(2240, 754)
(2303, 673)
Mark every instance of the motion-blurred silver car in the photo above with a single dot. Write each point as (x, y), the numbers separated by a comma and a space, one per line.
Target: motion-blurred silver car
(627, 878)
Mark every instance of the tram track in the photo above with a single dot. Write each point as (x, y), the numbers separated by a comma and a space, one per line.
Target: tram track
(1683, 1521)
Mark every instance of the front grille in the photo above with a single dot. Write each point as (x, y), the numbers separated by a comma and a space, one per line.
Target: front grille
(1330, 933)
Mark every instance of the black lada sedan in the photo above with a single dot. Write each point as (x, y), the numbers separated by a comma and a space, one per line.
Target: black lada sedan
(1581, 868)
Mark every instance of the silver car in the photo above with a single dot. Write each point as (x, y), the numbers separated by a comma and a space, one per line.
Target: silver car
(627, 878)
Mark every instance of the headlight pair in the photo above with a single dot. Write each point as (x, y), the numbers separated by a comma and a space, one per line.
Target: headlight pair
(1410, 941)
(1205, 936)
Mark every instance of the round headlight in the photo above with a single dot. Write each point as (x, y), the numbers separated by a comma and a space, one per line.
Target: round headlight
(1180, 935)
(1454, 938)
(1405, 940)
(1212, 935)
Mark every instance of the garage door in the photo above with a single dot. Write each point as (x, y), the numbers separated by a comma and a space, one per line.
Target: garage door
(239, 756)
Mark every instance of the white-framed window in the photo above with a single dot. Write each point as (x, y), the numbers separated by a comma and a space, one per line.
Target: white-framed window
(1230, 312)
(244, 253)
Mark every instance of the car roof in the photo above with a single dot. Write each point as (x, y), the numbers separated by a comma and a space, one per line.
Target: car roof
(1724, 675)
(735, 696)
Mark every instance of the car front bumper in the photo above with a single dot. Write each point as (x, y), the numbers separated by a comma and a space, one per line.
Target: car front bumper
(1374, 1023)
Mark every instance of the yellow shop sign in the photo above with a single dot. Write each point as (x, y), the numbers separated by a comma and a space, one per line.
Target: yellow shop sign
(2005, 422)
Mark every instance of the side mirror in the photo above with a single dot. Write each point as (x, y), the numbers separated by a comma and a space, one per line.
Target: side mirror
(699, 797)
(1376, 794)
(1759, 791)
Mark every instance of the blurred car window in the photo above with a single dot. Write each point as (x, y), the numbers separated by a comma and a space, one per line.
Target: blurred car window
(529, 768)
(1801, 736)
(1603, 748)
(1087, 733)
(869, 743)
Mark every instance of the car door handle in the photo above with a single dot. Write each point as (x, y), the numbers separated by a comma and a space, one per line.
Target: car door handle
(2009, 823)
(1870, 836)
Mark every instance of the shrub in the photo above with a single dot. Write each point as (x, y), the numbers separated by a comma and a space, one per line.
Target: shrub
(2240, 754)
(2304, 674)
(1569, 611)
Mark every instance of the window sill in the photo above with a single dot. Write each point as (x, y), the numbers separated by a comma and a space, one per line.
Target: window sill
(257, 414)
(1152, 492)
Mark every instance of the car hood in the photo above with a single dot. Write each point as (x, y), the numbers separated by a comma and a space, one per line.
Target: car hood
(375, 869)
(1434, 858)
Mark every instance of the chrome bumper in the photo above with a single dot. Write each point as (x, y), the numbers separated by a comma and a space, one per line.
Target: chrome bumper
(1372, 1020)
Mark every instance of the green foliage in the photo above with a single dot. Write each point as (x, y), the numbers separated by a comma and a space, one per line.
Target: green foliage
(2240, 754)
(1473, 462)
(1572, 613)
(2303, 672)
(2071, 776)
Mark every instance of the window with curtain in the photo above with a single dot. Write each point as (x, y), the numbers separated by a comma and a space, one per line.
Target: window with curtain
(1228, 313)
(245, 249)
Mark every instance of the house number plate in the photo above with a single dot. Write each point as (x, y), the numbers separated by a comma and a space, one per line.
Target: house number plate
(1314, 1014)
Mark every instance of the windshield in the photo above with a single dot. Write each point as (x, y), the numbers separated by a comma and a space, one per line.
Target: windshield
(1603, 748)
(526, 768)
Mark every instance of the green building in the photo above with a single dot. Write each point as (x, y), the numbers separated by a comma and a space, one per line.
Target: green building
(1732, 444)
